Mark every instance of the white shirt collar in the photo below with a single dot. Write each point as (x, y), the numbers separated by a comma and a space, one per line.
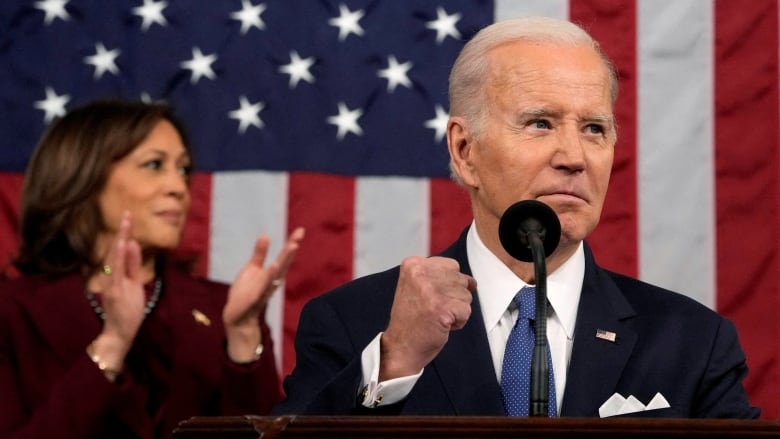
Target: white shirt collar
(497, 284)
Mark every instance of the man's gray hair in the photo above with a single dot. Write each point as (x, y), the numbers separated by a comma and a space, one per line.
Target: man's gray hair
(468, 74)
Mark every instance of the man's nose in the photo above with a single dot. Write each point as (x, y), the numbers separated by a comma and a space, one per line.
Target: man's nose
(570, 152)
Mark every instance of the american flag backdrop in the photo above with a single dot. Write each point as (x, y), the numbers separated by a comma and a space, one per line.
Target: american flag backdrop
(331, 114)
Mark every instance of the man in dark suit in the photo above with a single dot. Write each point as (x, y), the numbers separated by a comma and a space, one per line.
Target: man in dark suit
(531, 118)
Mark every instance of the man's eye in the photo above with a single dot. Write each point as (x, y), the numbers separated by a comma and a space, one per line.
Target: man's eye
(541, 124)
(595, 129)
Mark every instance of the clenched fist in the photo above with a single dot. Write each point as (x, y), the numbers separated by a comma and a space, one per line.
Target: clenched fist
(432, 298)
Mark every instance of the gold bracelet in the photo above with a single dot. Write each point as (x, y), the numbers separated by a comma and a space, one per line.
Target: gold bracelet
(101, 364)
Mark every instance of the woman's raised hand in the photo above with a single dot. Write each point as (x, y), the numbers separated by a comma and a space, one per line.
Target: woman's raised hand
(123, 301)
(249, 294)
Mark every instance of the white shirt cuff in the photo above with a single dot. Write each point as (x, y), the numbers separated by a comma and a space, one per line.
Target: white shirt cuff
(374, 393)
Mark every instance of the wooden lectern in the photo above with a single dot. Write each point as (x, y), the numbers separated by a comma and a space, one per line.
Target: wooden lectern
(352, 427)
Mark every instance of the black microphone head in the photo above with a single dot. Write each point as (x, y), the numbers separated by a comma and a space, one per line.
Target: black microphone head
(523, 217)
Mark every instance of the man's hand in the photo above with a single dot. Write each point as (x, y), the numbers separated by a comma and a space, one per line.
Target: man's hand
(432, 298)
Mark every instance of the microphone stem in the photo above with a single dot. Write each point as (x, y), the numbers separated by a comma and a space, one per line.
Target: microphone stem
(540, 367)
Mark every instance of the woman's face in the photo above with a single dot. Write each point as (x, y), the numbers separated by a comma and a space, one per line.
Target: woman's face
(152, 183)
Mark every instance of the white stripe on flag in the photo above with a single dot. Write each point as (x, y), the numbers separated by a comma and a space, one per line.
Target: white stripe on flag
(505, 9)
(244, 206)
(675, 146)
(392, 221)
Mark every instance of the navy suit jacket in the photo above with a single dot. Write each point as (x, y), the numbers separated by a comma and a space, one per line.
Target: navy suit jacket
(665, 342)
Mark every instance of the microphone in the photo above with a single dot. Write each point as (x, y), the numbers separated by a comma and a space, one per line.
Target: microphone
(526, 217)
(529, 230)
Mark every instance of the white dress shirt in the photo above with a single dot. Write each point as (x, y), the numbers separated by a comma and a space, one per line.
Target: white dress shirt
(496, 287)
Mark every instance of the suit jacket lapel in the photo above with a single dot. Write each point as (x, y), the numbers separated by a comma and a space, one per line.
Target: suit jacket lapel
(597, 364)
(471, 385)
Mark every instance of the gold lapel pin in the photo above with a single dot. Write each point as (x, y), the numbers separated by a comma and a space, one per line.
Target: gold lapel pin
(201, 318)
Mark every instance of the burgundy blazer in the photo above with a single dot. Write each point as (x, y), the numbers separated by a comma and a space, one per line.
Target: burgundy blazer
(50, 387)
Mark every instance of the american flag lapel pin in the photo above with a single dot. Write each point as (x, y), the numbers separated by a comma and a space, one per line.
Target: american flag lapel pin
(606, 335)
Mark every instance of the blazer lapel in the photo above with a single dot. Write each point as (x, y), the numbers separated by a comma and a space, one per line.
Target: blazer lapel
(196, 331)
(597, 362)
(60, 311)
(66, 322)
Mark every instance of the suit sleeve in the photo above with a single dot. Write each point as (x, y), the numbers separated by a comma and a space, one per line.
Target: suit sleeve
(721, 394)
(327, 375)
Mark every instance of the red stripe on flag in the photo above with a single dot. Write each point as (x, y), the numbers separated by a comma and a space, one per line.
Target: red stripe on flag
(450, 213)
(613, 24)
(10, 197)
(747, 171)
(325, 206)
(195, 237)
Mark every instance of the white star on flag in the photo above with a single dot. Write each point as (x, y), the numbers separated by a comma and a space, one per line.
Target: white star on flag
(151, 12)
(103, 60)
(298, 69)
(396, 74)
(347, 22)
(53, 105)
(444, 25)
(439, 123)
(249, 16)
(53, 9)
(200, 65)
(247, 114)
(346, 121)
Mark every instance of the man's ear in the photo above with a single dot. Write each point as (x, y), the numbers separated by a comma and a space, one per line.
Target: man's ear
(460, 143)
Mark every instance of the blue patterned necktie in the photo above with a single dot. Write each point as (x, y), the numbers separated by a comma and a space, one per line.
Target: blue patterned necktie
(516, 371)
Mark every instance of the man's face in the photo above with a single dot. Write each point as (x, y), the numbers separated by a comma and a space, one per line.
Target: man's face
(548, 135)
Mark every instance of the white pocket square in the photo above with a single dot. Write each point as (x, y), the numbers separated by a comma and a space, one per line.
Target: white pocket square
(618, 405)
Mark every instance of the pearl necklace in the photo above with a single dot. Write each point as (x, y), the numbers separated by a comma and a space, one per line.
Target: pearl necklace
(150, 304)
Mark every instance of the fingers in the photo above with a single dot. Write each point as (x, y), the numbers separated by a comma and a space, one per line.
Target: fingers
(259, 280)
(114, 265)
(260, 251)
(442, 276)
(124, 257)
(433, 290)
(256, 283)
(278, 268)
(132, 250)
(459, 286)
(123, 294)
(471, 283)
(286, 256)
(457, 316)
(133, 260)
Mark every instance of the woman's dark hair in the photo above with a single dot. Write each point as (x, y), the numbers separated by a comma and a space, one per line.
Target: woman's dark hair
(60, 215)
